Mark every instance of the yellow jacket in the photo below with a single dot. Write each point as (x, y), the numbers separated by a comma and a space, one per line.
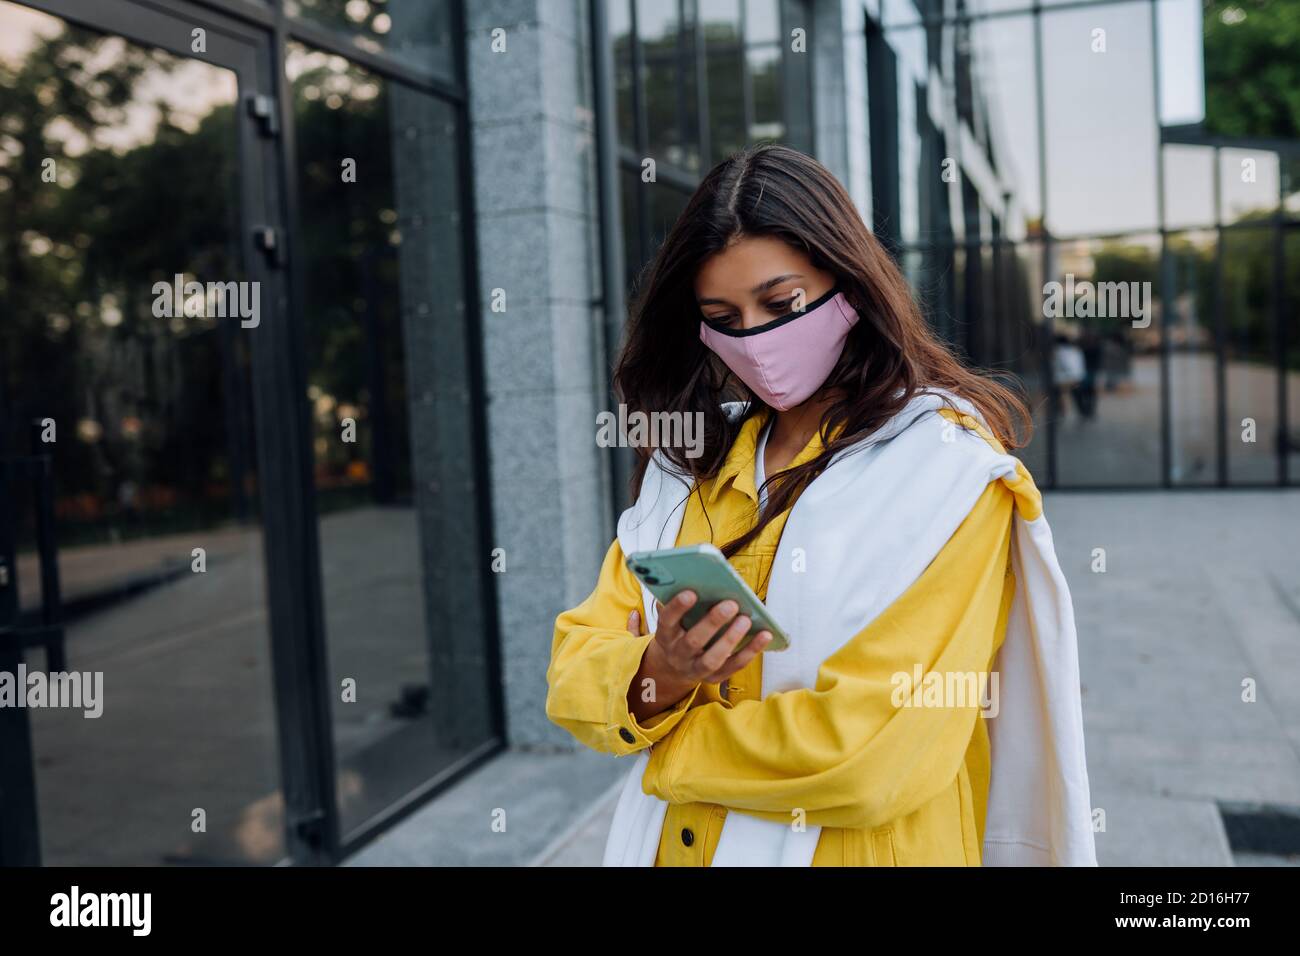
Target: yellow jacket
(840, 755)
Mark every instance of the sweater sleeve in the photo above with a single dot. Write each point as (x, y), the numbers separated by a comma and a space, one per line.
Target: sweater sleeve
(594, 659)
(845, 751)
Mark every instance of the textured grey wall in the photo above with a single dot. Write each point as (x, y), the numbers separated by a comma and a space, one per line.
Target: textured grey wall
(535, 199)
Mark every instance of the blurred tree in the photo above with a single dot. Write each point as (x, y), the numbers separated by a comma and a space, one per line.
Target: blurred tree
(1252, 68)
(141, 193)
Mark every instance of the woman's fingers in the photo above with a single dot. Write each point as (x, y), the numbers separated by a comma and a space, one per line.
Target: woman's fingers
(670, 614)
(634, 623)
(718, 617)
(716, 656)
(738, 662)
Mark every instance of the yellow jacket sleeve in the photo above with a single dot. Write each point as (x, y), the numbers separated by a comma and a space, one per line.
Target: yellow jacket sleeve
(843, 751)
(594, 659)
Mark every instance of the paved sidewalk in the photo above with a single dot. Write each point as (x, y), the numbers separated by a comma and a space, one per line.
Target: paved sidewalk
(1201, 591)
(1201, 594)
(520, 809)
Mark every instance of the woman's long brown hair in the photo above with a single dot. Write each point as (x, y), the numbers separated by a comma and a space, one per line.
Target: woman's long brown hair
(891, 353)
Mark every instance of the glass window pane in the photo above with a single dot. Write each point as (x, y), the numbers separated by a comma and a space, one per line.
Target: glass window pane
(619, 17)
(1182, 67)
(1189, 186)
(1291, 289)
(898, 13)
(982, 326)
(720, 21)
(762, 21)
(726, 75)
(934, 272)
(690, 103)
(1248, 184)
(965, 274)
(1020, 303)
(417, 32)
(656, 21)
(629, 183)
(765, 85)
(667, 85)
(1250, 371)
(1108, 425)
(666, 204)
(389, 400)
(1251, 70)
(919, 156)
(1101, 119)
(620, 34)
(796, 78)
(1007, 323)
(1193, 366)
(1003, 75)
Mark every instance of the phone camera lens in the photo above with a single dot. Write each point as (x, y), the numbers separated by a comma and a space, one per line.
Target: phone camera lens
(642, 569)
(651, 579)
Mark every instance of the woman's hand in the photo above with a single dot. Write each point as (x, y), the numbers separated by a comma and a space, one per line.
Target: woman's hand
(677, 660)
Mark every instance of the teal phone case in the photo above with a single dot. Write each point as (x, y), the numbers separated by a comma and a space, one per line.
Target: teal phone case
(702, 568)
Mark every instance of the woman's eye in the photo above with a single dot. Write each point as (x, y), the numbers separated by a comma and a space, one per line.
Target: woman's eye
(723, 320)
(781, 308)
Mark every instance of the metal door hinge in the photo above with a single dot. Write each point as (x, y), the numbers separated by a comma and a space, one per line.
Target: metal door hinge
(269, 240)
(310, 828)
(262, 108)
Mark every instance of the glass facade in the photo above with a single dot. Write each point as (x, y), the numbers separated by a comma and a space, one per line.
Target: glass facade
(417, 33)
(1080, 197)
(260, 518)
(694, 81)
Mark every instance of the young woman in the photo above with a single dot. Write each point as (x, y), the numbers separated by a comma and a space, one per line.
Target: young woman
(856, 475)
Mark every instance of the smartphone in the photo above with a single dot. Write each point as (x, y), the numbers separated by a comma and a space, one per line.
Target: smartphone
(702, 568)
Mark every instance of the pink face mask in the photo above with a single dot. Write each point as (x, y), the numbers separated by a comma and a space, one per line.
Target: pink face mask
(788, 359)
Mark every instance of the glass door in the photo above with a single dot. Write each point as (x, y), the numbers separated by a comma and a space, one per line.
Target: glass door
(390, 399)
(138, 352)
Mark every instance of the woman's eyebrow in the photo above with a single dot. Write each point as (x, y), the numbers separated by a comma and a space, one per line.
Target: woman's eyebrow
(761, 287)
(775, 280)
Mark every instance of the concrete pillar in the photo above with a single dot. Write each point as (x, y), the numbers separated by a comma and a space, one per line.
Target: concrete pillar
(535, 202)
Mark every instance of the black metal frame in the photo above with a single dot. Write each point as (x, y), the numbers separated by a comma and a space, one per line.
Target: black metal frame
(20, 843)
(250, 39)
(613, 282)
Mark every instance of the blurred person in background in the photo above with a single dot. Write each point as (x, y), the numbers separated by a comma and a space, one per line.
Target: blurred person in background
(1068, 371)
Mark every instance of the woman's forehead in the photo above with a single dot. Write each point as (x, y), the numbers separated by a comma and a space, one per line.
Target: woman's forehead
(747, 263)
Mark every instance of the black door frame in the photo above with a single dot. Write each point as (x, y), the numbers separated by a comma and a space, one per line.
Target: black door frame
(298, 653)
(284, 29)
